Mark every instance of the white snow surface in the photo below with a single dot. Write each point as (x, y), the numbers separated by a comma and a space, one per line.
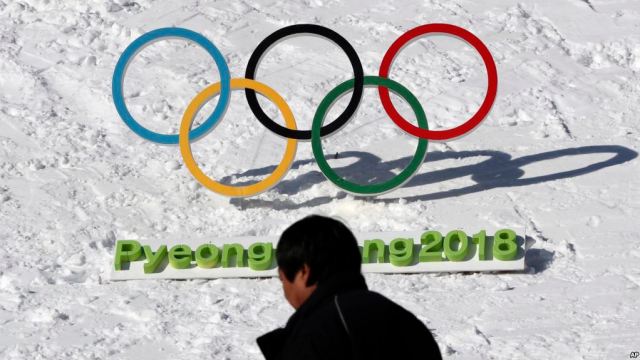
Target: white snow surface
(556, 155)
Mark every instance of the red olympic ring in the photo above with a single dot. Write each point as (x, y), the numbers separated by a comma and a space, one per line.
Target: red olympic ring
(492, 86)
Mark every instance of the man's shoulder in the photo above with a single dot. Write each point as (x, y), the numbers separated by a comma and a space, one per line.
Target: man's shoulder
(362, 318)
(363, 308)
(367, 300)
(373, 318)
(355, 304)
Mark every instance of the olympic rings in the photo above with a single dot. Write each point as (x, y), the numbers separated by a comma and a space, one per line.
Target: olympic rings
(236, 191)
(396, 181)
(290, 131)
(482, 112)
(132, 50)
(358, 75)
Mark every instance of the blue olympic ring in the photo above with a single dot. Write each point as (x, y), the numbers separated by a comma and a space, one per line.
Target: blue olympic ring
(132, 50)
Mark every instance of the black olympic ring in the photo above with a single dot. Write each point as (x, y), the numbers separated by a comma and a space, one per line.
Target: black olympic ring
(358, 74)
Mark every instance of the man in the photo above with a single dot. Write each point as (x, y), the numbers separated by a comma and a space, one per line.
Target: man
(336, 316)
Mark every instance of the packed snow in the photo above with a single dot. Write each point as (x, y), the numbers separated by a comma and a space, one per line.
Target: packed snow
(556, 156)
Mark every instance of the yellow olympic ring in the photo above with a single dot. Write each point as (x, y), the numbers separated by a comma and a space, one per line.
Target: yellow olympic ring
(228, 190)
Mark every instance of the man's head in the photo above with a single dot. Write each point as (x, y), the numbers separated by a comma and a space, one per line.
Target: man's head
(311, 251)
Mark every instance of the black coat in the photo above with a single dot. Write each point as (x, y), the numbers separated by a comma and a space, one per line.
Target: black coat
(342, 319)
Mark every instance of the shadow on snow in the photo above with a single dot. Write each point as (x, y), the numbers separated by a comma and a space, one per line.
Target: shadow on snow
(498, 170)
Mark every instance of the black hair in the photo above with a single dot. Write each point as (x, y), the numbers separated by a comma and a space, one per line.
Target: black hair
(326, 245)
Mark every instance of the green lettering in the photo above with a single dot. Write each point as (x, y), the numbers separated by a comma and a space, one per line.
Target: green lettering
(260, 256)
(456, 236)
(180, 256)
(431, 246)
(126, 251)
(229, 250)
(505, 246)
(378, 246)
(401, 251)
(207, 256)
(481, 240)
(153, 259)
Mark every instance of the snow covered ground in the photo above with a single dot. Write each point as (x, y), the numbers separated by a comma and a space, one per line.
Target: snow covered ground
(557, 155)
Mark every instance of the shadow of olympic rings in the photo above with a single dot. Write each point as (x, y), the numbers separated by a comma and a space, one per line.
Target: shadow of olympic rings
(499, 170)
